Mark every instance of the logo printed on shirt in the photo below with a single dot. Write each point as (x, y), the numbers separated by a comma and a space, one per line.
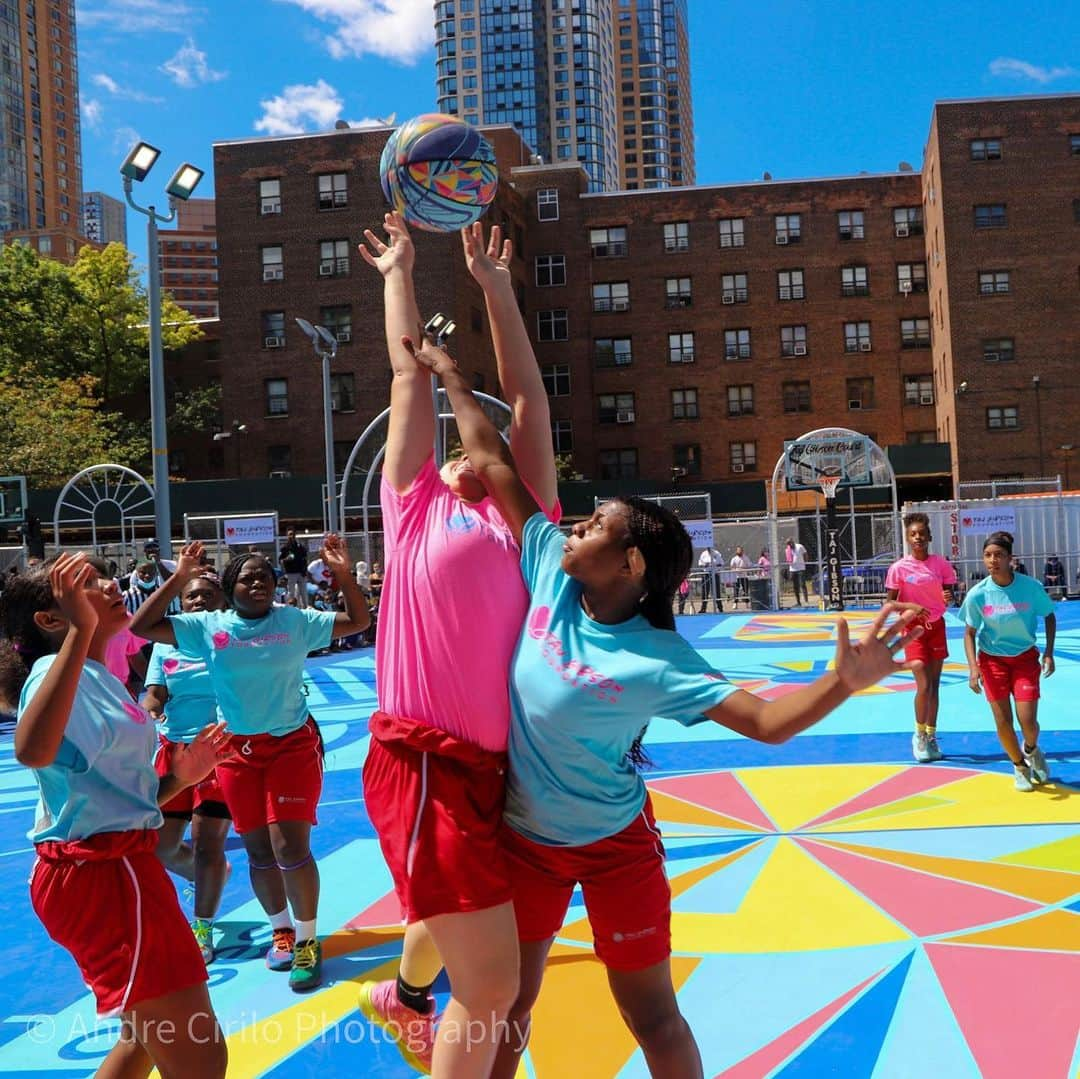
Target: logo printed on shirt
(459, 521)
(220, 639)
(989, 610)
(135, 713)
(573, 671)
(176, 666)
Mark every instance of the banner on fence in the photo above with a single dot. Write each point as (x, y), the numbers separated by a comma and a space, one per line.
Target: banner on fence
(985, 521)
(248, 530)
(701, 533)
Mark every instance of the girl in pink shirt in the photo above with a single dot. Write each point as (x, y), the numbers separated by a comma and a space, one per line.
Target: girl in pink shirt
(923, 582)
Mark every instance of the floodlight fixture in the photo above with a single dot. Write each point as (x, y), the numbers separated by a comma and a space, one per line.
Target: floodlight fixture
(139, 161)
(184, 181)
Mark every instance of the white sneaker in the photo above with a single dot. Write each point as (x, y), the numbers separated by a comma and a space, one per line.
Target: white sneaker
(933, 748)
(920, 747)
(1036, 762)
(1022, 778)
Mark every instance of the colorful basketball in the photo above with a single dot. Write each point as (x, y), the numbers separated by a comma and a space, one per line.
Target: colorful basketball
(438, 172)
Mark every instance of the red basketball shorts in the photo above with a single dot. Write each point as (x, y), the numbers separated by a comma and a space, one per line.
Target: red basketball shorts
(1005, 676)
(205, 798)
(932, 645)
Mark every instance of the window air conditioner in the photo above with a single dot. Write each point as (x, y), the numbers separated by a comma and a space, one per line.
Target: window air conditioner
(926, 398)
(344, 336)
(728, 297)
(905, 287)
(280, 474)
(854, 405)
(800, 350)
(865, 346)
(271, 208)
(781, 238)
(625, 416)
(903, 230)
(326, 268)
(991, 357)
(738, 468)
(274, 342)
(273, 273)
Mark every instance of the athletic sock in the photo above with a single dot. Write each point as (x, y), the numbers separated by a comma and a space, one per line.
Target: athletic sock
(923, 729)
(305, 930)
(418, 998)
(282, 920)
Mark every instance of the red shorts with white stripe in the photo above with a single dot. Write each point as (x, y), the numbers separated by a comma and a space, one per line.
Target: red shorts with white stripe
(626, 891)
(1017, 676)
(272, 778)
(108, 900)
(204, 798)
(436, 803)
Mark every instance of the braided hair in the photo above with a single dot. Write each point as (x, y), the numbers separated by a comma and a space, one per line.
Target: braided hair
(23, 642)
(233, 569)
(666, 547)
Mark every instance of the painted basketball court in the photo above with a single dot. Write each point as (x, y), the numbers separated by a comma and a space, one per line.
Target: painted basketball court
(838, 910)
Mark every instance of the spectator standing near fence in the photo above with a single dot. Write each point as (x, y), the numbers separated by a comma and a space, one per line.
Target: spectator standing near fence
(708, 561)
(923, 582)
(293, 560)
(795, 553)
(740, 566)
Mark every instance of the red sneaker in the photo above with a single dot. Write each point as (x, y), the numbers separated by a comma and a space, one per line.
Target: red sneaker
(280, 955)
(411, 1032)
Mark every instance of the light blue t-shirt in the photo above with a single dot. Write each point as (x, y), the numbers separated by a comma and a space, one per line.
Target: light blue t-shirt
(581, 692)
(256, 664)
(1004, 619)
(191, 704)
(103, 777)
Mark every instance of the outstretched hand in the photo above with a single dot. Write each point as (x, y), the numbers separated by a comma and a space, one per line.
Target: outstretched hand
(195, 760)
(861, 665)
(189, 564)
(428, 354)
(398, 254)
(336, 555)
(489, 266)
(71, 579)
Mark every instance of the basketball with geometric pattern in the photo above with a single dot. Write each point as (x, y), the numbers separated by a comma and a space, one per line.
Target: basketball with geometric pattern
(438, 172)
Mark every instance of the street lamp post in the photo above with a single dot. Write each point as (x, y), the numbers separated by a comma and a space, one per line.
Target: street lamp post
(136, 166)
(325, 345)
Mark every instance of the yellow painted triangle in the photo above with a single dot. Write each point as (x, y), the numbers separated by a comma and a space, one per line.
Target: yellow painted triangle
(891, 809)
(1054, 931)
(794, 795)
(1061, 854)
(669, 809)
(796, 665)
(1046, 885)
(345, 941)
(565, 1034)
(685, 881)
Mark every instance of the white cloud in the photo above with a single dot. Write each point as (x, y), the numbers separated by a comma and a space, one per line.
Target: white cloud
(401, 30)
(1010, 68)
(111, 86)
(137, 16)
(300, 108)
(374, 121)
(91, 113)
(188, 68)
(124, 138)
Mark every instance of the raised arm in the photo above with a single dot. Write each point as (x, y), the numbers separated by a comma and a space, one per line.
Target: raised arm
(356, 617)
(857, 666)
(519, 375)
(411, 431)
(151, 620)
(487, 453)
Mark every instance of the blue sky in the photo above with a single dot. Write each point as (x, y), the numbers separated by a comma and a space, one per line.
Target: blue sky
(796, 88)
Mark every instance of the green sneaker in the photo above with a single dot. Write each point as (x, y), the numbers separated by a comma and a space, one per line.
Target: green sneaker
(204, 937)
(306, 970)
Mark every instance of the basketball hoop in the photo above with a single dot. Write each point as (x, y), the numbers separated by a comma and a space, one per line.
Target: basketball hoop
(829, 485)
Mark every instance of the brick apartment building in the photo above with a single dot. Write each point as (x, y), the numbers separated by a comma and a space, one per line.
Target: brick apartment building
(687, 332)
(187, 255)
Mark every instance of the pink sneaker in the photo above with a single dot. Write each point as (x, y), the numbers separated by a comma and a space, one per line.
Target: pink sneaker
(414, 1034)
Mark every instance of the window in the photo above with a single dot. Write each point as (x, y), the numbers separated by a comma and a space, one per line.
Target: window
(687, 459)
(612, 352)
(547, 204)
(849, 224)
(279, 460)
(993, 282)
(908, 221)
(615, 408)
(269, 197)
(740, 400)
(919, 389)
(914, 333)
(342, 393)
(551, 325)
(608, 243)
(611, 296)
(1000, 417)
(793, 341)
(556, 379)
(860, 393)
(550, 270)
(743, 456)
(734, 288)
(678, 293)
(277, 396)
(273, 329)
(991, 215)
(680, 347)
(917, 438)
(1074, 145)
(333, 191)
(788, 228)
(856, 337)
(796, 396)
(789, 285)
(910, 277)
(985, 149)
(684, 405)
(732, 232)
(736, 344)
(618, 464)
(677, 236)
(273, 267)
(562, 436)
(338, 320)
(333, 258)
(999, 350)
(854, 281)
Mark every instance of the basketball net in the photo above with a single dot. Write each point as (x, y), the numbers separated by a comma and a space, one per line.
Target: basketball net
(829, 485)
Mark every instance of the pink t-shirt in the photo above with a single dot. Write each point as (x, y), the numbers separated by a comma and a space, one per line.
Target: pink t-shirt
(120, 646)
(452, 607)
(921, 582)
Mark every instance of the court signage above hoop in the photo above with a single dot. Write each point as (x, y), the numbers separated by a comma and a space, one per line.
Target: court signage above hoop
(815, 458)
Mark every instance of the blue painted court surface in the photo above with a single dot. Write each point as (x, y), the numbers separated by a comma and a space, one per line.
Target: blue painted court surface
(838, 910)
